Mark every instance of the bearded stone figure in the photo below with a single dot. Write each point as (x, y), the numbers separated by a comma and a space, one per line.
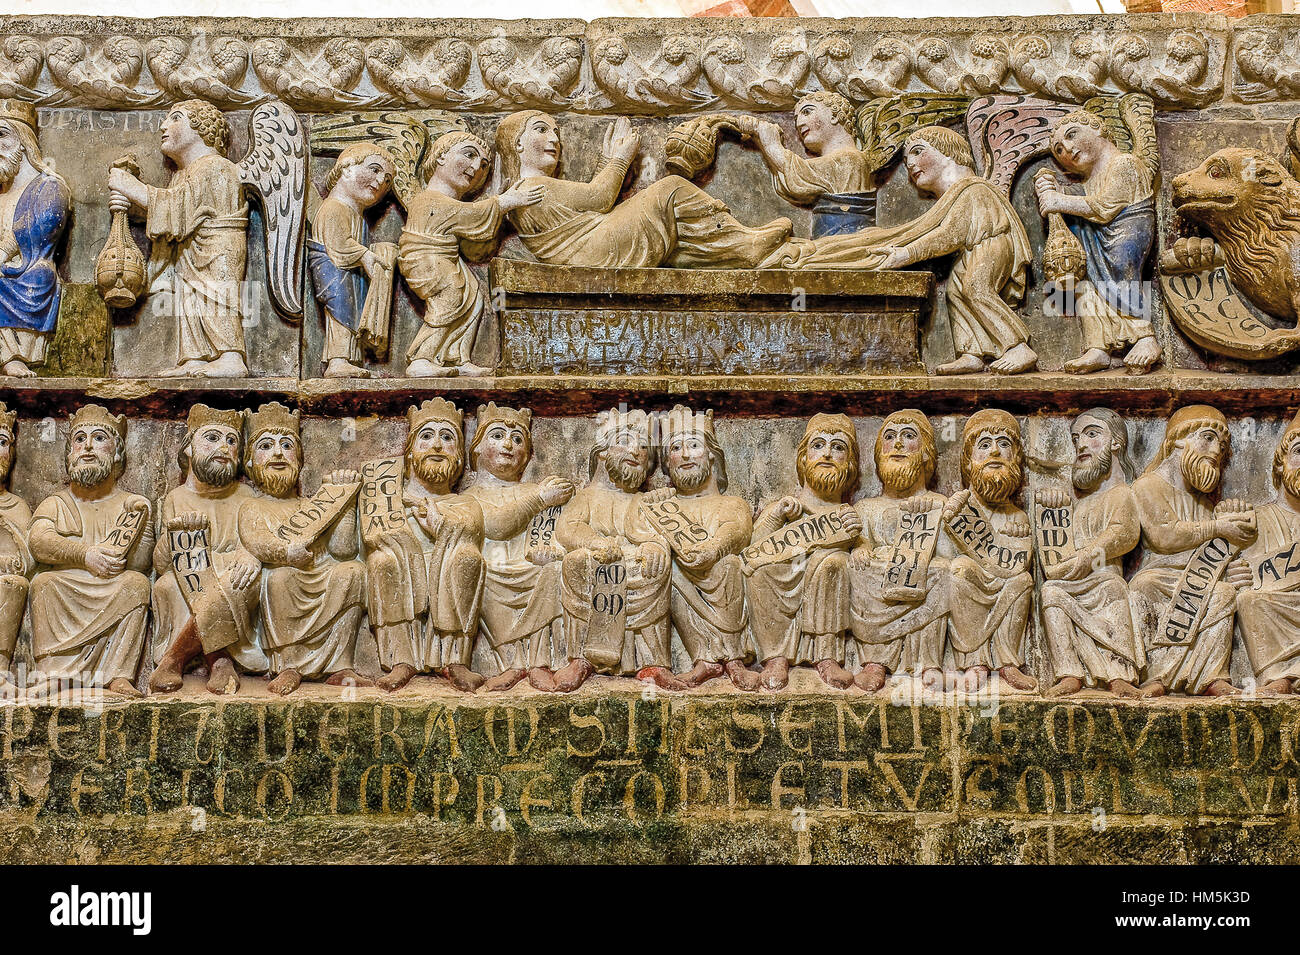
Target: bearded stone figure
(1087, 614)
(991, 581)
(35, 204)
(1268, 611)
(520, 615)
(708, 592)
(1178, 522)
(799, 607)
(615, 572)
(426, 585)
(900, 632)
(90, 608)
(312, 587)
(220, 624)
(15, 557)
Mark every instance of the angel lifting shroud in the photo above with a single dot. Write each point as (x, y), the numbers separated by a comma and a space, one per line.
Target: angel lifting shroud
(199, 221)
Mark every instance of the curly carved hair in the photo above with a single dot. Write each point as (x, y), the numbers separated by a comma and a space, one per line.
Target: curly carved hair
(355, 155)
(840, 108)
(208, 122)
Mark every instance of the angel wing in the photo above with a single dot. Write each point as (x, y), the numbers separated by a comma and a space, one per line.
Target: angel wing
(884, 123)
(1005, 132)
(275, 168)
(405, 135)
(1134, 127)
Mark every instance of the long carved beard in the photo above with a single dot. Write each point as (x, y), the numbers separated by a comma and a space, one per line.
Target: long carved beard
(1291, 481)
(688, 482)
(10, 163)
(433, 468)
(90, 473)
(628, 474)
(1087, 478)
(996, 485)
(900, 475)
(276, 483)
(1200, 471)
(828, 479)
(214, 473)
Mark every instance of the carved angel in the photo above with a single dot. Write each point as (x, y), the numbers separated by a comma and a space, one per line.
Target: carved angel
(1262, 63)
(544, 79)
(884, 124)
(774, 84)
(1174, 83)
(105, 78)
(886, 72)
(668, 80)
(326, 79)
(21, 59)
(198, 224)
(435, 79)
(209, 69)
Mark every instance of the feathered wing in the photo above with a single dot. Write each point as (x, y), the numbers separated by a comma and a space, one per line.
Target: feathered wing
(1005, 132)
(1137, 123)
(883, 124)
(276, 169)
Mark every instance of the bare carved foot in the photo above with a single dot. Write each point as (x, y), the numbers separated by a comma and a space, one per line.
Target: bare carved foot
(1015, 360)
(571, 676)
(165, 679)
(974, 679)
(342, 368)
(961, 365)
(16, 368)
(834, 674)
(776, 674)
(397, 677)
(423, 368)
(285, 683)
(463, 678)
(1220, 688)
(1017, 678)
(348, 677)
(124, 687)
(932, 680)
(702, 672)
(1151, 689)
(661, 677)
(1065, 686)
(1280, 687)
(184, 369)
(504, 680)
(743, 677)
(1144, 353)
(1125, 690)
(1094, 359)
(953, 680)
(471, 370)
(223, 679)
(541, 678)
(871, 677)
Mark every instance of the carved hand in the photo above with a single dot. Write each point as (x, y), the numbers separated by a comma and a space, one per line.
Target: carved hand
(299, 555)
(1017, 527)
(519, 195)
(101, 563)
(955, 504)
(128, 187)
(243, 572)
(860, 559)
(545, 554)
(370, 264)
(556, 490)
(851, 519)
(1234, 523)
(1082, 564)
(621, 142)
(431, 520)
(1054, 497)
(1239, 574)
(1047, 193)
(652, 558)
(769, 137)
(788, 508)
(895, 258)
(607, 550)
(1192, 254)
(698, 558)
(342, 476)
(659, 494)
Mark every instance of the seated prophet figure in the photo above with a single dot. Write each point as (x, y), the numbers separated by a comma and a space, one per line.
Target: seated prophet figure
(353, 279)
(34, 207)
(799, 607)
(1087, 613)
(1178, 519)
(615, 575)
(709, 531)
(971, 219)
(1268, 612)
(900, 630)
(90, 608)
(1115, 220)
(313, 587)
(219, 623)
(991, 586)
(520, 614)
(672, 222)
(835, 178)
(426, 585)
(15, 557)
(442, 230)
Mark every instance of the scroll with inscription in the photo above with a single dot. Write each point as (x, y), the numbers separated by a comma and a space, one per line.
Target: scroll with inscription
(541, 529)
(918, 535)
(1210, 312)
(380, 500)
(1280, 573)
(608, 621)
(674, 524)
(822, 529)
(126, 529)
(1054, 533)
(1180, 622)
(318, 512)
(209, 603)
(974, 534)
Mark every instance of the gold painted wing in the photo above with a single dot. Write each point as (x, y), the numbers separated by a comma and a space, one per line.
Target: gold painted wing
(884, 123)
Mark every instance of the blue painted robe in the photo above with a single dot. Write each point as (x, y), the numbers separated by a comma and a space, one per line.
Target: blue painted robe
(29, 285)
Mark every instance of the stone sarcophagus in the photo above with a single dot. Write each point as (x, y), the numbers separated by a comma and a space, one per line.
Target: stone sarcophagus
(650, 440)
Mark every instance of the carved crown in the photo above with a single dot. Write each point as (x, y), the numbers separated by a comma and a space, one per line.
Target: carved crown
(491, 413)
(201, 416)
(8, 419)
(436, 409)
(98, 415)
(272, 417)
(682, 420)
(18, 111)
